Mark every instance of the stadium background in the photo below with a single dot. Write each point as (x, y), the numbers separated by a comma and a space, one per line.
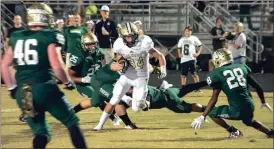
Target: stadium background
(164, 21)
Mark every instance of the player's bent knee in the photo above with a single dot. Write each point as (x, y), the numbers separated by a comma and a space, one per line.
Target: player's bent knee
(136, 109)
(114, 100)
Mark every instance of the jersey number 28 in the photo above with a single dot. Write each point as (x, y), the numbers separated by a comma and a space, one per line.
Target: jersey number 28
(235, 78)
(23, 53)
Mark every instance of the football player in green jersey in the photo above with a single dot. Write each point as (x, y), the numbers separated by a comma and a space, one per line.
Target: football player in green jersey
(84, 64)
(234, 81)
(101, 85)
(73, 36)
(169, 97)
(35, 54)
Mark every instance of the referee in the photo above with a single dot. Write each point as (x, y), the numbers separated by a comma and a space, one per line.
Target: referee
(105, 30)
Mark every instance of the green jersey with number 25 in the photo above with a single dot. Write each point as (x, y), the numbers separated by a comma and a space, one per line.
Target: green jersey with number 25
(84, 63)
(30, 54)
(232, 79)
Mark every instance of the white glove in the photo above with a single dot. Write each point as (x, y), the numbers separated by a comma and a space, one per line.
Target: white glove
(267, 106)
(86, 79)
(163, 72)
(198, 121)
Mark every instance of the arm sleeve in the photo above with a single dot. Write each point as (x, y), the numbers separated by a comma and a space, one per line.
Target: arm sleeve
(191, 87)
(113, 32)
(251, 81)
(197, 42)
(75, 60)
(213, 82)
(58, 38)
(149, 43)
(117, 46)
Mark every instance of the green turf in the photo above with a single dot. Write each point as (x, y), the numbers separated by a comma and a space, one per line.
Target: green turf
(158, 128)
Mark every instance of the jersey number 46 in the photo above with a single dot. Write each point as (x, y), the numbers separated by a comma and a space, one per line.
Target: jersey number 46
(23, 53)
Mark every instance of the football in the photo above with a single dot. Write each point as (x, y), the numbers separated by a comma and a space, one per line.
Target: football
(125, 63)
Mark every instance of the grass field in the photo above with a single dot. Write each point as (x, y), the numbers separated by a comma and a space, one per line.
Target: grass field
(158, 128)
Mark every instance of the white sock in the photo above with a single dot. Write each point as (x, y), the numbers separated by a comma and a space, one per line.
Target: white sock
(103, 119)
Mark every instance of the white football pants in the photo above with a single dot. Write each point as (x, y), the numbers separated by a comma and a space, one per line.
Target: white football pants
(139, 91)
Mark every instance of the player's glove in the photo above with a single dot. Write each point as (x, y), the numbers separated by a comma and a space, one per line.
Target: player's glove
(162, 72)
(86, 79)
(69, 86)
(198, 122)
(267, 106)
(13, 90)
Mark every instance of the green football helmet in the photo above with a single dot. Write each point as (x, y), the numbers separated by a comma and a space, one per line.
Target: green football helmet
(221, 57)
(40, 15)
(89, 42)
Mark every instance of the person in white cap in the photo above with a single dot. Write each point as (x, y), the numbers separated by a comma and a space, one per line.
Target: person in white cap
(90, 26)
(139, 24)
(105, 30)
(60, 24)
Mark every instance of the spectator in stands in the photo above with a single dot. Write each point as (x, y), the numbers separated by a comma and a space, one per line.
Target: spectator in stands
(70, 21)
(139, 26)
(16, 27)
(238, 44)
(60, 24)
(91, 11)
(105, 30)
(90, 26)
(119, 29)
(217, 35)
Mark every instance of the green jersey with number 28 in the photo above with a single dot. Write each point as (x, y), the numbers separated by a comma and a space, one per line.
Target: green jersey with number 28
(232, 79)
(30, 54)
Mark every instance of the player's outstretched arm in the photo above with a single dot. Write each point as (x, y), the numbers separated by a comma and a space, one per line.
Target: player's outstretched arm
(162, 61)
(191, 87)
(251, 81)
(57, 64)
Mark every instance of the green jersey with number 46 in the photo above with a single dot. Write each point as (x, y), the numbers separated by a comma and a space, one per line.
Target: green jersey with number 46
(84, 63)
(232, 79)
(30, 54)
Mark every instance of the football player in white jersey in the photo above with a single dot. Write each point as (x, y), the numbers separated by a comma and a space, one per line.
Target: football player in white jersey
(136, 52)
(188, 54)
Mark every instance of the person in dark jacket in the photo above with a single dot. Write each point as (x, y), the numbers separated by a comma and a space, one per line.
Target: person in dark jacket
(105, 30)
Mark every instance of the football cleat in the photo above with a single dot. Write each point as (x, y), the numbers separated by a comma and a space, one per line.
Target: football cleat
(131, 126)
(97, 128)
(116, 121)
(235, 134)
(270, 134)
(165, 85)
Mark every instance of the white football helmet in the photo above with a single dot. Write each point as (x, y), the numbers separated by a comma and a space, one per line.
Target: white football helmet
(221, 57)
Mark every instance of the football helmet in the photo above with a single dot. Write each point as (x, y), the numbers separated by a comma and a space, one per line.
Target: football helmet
(89, 42)
(221, 57)
(129, 29)
(40, 15)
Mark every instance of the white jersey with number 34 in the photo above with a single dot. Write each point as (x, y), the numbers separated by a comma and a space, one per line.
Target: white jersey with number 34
(137, 55)
(188, 46)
